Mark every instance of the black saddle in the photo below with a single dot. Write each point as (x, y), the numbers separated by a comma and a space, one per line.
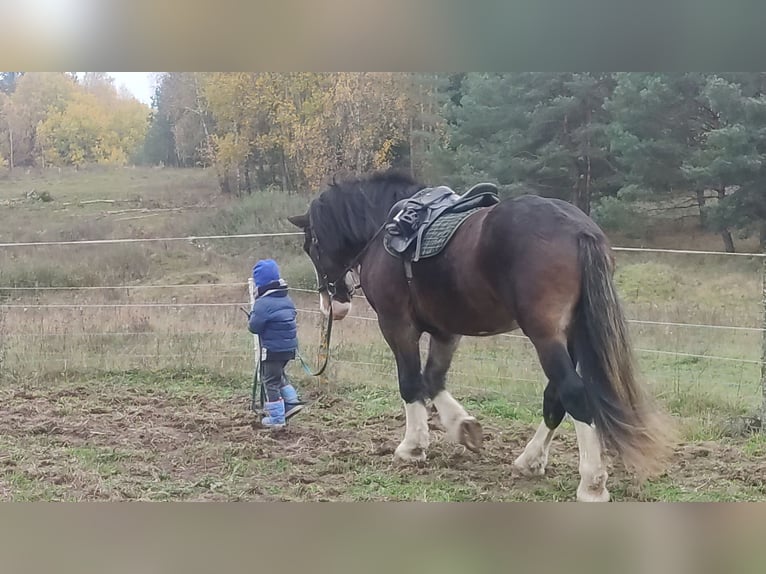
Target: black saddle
(409, 218)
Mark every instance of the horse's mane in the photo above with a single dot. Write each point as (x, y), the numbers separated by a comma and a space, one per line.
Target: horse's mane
(349, 211)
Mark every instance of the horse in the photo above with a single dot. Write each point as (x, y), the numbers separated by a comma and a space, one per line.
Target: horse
(531, 263)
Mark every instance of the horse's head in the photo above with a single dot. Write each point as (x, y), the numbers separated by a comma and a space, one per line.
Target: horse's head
(336, 286)
(341, 224)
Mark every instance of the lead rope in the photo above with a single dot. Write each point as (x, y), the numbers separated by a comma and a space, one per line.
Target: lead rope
(324, 345)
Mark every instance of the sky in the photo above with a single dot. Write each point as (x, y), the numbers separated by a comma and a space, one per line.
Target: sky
(140, 84)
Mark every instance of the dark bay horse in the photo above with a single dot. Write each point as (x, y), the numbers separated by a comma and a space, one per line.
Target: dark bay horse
(537, 264)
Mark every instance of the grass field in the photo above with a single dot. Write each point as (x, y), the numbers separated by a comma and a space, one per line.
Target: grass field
(107, 401)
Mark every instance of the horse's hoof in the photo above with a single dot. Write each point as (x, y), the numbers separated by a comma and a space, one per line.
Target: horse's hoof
(587, 495)
(530, 469)
(409, 455)
(592, 487)
(471, 435)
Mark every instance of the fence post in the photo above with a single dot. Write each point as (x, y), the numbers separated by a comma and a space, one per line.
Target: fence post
(763, 344)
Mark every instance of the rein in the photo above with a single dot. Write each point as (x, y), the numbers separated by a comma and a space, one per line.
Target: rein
(325, 344)
(331, 290)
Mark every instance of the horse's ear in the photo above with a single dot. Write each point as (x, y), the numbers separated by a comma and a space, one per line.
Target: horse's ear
(301, 221)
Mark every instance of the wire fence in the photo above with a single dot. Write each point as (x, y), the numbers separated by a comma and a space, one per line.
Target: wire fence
(191, 238)
(128, 288)
(317, 312)
(138, 331)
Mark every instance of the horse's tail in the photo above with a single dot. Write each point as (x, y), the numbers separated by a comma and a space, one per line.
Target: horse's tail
(624, 414)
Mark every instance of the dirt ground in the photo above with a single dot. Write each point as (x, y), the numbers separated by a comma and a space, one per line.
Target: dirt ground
(111, 441)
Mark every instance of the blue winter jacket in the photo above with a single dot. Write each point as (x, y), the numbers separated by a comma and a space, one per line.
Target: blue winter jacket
(273, 320)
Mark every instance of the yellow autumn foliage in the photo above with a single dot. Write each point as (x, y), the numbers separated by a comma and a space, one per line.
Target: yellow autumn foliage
(106, 130)
(307, 126)
(50, 119)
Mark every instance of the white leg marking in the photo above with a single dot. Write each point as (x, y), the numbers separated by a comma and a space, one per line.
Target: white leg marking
(413, 447)
(461, 427)
(532, 461)
(593, 473)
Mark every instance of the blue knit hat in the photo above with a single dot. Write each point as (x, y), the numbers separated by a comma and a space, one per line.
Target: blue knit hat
(265, 271)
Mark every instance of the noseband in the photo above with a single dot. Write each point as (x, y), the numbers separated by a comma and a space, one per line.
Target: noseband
(331, 286)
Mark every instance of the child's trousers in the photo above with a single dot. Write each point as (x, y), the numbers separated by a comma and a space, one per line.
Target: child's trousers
(273, 378)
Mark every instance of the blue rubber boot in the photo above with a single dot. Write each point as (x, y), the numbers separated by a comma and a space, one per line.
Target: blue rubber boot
(293, 404)
(276, 412)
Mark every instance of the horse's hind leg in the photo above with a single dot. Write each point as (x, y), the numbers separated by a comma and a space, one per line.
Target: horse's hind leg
(533, 460)
(461, 427)
(560, 369)
(593, 475)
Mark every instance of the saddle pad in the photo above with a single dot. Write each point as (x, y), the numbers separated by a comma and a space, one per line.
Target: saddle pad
(439, 233)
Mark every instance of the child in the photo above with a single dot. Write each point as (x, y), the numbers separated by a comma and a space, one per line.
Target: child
(273, 320)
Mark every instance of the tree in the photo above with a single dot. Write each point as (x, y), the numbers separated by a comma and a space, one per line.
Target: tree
(539, 131)
(90, 123)
(5, 110)
(295, 129)
(36, 95)
(238, 104)
(180, 124)
(733, 159)
(692, 134)
(8, 81)
(160, 145)
(364, 118)
(656, 121)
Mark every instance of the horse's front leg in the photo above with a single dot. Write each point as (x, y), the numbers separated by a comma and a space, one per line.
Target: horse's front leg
(404, 341)
(415, 443)
(461, 427)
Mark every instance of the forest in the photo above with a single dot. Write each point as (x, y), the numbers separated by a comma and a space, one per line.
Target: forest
(627, 147)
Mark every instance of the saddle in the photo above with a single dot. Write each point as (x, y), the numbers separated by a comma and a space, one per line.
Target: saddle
(410, 220)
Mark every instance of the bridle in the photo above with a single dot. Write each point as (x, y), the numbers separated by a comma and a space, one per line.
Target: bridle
(331, 288)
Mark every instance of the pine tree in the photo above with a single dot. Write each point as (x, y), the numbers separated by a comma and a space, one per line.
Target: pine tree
(160, 143)
(690, 134)
(733, 160)
(541, 132)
